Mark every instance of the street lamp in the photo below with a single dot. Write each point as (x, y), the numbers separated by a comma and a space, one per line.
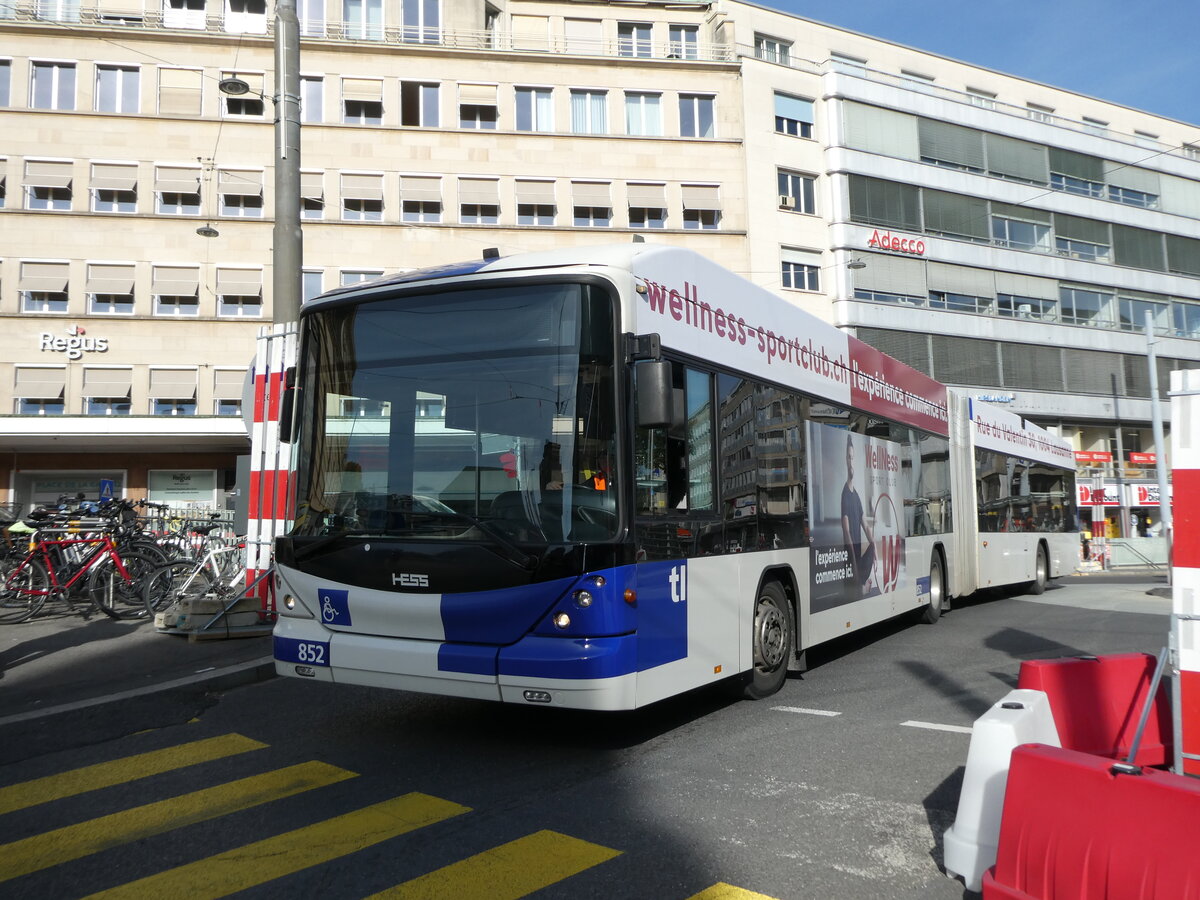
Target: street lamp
(287, 250)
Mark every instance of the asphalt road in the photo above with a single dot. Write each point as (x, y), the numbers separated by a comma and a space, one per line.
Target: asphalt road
(840, 786)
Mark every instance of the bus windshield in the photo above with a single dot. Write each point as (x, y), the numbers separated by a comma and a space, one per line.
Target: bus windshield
(473, 415)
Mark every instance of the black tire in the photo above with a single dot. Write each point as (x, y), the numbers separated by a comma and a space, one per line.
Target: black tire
(178, 580)
(772, 642)
(150, 548)
(23, 592)
(932, 611)
(115, 595)
(1041, 573)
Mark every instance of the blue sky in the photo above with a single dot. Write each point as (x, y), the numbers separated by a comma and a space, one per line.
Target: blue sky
(1139, 53)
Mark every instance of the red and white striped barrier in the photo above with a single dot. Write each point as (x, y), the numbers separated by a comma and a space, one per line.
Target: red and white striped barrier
(1185, 564)
(272, 499)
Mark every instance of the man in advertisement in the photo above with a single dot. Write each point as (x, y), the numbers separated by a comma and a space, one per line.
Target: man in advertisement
(857, 531)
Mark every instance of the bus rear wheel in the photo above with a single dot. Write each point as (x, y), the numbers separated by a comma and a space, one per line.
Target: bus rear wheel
(937, 591)
(773, 642)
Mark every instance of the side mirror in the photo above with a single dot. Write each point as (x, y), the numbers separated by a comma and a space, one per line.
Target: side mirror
(655, 397)
(287, 405)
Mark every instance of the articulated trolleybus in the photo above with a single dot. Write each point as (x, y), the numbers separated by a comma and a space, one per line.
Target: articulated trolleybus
(596, 478)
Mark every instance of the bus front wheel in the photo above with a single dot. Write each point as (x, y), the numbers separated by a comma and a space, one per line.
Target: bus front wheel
(1041, 573)
(773, 641)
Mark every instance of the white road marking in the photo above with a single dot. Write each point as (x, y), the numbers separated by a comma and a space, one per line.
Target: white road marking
(934, 726)
(803, 711)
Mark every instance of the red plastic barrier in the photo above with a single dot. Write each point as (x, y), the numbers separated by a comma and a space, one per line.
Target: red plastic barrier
(1097, 702)
(1073, 830)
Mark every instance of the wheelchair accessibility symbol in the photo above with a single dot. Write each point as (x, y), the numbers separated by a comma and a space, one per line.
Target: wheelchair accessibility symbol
(335, 606)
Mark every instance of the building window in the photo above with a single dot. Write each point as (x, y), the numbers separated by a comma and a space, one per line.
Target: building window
(702, 219)
(1016, 307)
(183, 306)
(592, 216)
(800, 270)
(1130, 197)
(38, 197)
(1018, 235)
(244, 106)
(1085, 307)
(964, 303)
(52, 86)
(245, 206)
(696, 115)
(44, 301)
(1040, 113)
(633, 39)
(479, 214)
(312, 17)
(180, 91)
(110, 304)
(107, 406)
(797, 193)
(240, 306)
(312, 207)
(117, 89)
(1131, 313)
(701, 207)
(1077, 249)
(428, 211)
(422, 21)
(313, 284)
(227, 407)
(535, 111)
(1186, 319)
(535, 213)
(363, 19)
(114, 201)
(683, 42)
(772, 49)
(362, 209)
(981, 98)
(171, 203)
(5, 82)
(52, 406)
(173, 407)
(1094, 126)
(419, 104)
(363, 112)
(183, 14)
(477, 107)
(643, 114)
(356, 276)
(793, 115)
(312, 98)
(246, 16)
(589, 112)
(1073, 185)
(647, 217)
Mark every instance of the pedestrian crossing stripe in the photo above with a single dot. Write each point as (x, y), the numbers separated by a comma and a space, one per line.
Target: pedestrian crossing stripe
(106, 832)
(507, 872)
(274, 857)
(722, 891)
(119, 771)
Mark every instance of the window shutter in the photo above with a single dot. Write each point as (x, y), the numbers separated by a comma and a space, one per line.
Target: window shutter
(176, 180)
(1081, 229)
(240, 182)
(1077, 165)
(478, 191)
(110, 383)
(48, 174)
(961, 280)
(648, 196)
(951, 143)
(362, 187)
(955, 214)
(179, 92)
(39, 384)
(591, 193)
(701, 197)
(172, 384)
(110, 278)
(539, 193)
(114, 177)
(312, 185)
(1017, 159)
(175, 281)
(44, 276)
(882, 131)
(892, 275)
(239, 282)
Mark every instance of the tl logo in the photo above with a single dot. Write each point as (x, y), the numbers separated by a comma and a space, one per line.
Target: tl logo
(678, 579)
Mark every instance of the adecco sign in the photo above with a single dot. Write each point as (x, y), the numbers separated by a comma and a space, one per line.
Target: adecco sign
(896, 243)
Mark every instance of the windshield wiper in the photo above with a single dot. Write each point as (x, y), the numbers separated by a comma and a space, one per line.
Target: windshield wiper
(514, 552)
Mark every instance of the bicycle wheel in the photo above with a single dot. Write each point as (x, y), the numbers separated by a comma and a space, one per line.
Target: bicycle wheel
(120, 596)
(23, 592)
(178, 580)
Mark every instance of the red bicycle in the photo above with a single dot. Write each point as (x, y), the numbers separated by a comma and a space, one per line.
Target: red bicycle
(55, 565)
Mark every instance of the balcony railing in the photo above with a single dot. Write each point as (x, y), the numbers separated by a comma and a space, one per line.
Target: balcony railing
(217, 21)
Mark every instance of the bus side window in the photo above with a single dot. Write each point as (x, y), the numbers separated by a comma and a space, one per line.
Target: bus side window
(660, 458)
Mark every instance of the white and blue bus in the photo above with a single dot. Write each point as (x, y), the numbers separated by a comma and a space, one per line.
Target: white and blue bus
(595, 478)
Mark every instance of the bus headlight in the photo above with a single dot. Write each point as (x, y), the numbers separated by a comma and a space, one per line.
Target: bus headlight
(289, 602)
(583, 599)
(562, 620)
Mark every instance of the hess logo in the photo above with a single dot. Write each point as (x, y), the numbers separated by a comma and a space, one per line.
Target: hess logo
(409, 579)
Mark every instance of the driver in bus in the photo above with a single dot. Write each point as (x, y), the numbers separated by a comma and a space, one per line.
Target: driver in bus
(854, 525)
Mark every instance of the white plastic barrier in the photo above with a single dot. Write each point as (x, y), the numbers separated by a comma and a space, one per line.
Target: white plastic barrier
(1021, 717)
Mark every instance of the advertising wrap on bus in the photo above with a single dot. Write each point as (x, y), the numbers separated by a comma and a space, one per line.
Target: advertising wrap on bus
(712, 311)
(857, 525)
(1006, 432)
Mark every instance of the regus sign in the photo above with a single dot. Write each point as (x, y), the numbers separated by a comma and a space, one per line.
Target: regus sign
(74, 345)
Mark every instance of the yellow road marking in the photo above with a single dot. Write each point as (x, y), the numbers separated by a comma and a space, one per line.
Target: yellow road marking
(73, 841)
(507, 872)
(284, 854)
(723, 891)
(120, 771)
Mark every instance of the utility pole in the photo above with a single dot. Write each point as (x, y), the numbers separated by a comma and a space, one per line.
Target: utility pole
(287, 254)
(1160, 462)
